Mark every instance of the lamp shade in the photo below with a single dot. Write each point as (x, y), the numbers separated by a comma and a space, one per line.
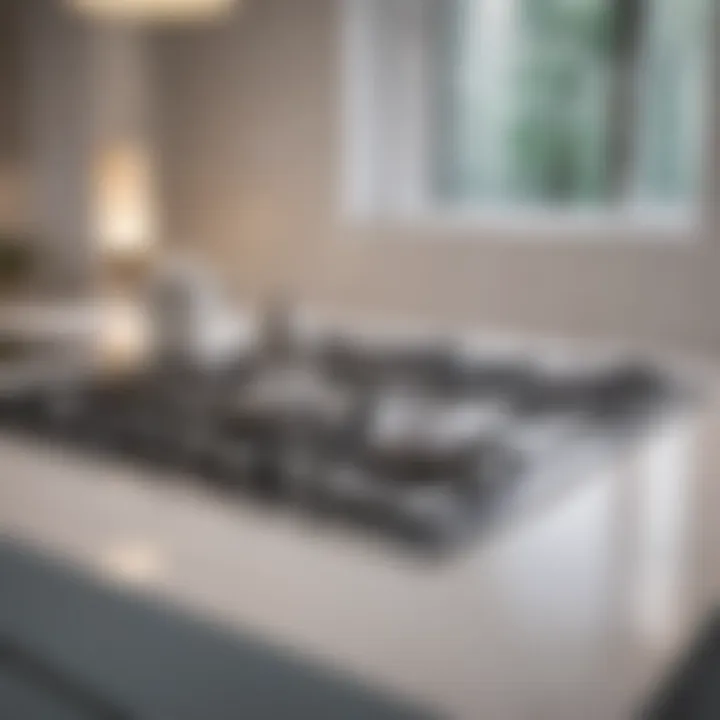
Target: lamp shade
(124, 213)
(154, 10)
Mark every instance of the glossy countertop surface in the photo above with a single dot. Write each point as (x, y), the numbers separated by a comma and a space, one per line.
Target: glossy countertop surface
(573, 609)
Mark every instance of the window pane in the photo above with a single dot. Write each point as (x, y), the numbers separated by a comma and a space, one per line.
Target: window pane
(560, 134)
(673, 94)
(575, 102)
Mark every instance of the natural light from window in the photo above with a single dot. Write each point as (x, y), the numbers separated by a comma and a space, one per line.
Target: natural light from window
(552, 106)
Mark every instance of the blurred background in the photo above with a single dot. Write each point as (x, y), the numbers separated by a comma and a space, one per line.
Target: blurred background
(221, 224)
(546, 167)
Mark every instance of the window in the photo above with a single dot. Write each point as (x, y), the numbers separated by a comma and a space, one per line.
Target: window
(526, 104)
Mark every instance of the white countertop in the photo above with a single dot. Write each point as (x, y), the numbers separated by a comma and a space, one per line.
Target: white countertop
(568, 612)
(538, 620)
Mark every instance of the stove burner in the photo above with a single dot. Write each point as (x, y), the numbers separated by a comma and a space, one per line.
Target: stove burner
(421, 441)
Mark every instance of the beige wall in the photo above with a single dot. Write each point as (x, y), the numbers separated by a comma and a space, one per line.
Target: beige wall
(87, 87)
(251, 130)
(57, 58)
(11, 81)
(13, 117)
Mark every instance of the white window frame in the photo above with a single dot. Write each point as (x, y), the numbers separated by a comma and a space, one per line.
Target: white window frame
(392, 197)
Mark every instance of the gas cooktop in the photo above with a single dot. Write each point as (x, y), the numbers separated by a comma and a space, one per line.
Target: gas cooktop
(423, 443)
